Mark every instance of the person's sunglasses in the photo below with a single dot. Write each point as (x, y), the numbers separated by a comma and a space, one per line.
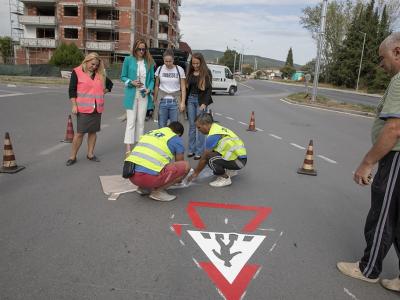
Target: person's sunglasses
(141, 49)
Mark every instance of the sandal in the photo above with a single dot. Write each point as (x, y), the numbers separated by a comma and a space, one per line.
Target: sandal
(70, 162)
(93, 158)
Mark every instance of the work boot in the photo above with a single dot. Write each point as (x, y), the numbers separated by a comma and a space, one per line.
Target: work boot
(391, 284)
(353, 270)
(231, 173)
(221, 181)
(161, 195)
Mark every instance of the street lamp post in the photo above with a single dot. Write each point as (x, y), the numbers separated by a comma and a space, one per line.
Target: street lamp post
(362, 55)
(234, 63)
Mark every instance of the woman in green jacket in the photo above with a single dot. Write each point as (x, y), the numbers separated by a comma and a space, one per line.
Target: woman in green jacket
(138, 76)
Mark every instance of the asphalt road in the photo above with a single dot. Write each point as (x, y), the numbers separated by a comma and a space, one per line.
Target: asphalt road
(60, 238)
(341, 96)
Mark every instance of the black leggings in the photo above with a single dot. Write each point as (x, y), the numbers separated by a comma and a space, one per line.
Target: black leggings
(218, 164)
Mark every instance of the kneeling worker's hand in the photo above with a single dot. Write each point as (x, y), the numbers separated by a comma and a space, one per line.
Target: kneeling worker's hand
(192, 177)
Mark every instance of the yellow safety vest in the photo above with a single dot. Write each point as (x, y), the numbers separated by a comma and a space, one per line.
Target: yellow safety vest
(230, 146)
(152, 150)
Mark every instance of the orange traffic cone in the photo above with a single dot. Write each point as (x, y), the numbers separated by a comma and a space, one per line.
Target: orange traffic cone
(69, 134)
(9, 163)
(308, 165)
(252, 124)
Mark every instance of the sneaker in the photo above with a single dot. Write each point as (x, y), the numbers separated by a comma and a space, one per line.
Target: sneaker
(231, 173)
(190, 154)
(221, 181)
(161, 195)
(391, 284)
(142, 191)
(353, 270)
(197, 157)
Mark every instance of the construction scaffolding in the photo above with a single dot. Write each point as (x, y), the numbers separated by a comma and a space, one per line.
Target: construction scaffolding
(16, 9)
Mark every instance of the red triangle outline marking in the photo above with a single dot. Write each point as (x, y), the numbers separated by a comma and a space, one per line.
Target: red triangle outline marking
(235, 290)
(261, 213)
(177, 228)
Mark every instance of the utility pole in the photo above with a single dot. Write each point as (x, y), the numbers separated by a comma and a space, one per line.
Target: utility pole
(255, 63)
(320, 41)
(362, 54)
(234, 63)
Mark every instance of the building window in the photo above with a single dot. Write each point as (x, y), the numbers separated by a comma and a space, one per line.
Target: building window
(45, 33)
(70, 11)
(46, 11)
(107, 14)
(71, 33)
(107, 36)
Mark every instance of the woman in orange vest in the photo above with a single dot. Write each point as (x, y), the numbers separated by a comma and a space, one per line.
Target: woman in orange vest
(87, 87)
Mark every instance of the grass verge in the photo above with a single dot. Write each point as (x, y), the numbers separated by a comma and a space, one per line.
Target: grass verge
(33, 80)
(325, 102)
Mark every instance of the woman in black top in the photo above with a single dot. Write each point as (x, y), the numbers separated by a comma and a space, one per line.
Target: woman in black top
(199, 88)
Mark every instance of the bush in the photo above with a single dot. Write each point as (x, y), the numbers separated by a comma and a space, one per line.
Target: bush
(67, 56)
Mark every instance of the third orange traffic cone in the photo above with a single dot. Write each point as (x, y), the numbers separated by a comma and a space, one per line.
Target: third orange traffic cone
(69, 134)
(9, 163)
(308, 164)
(252, 124)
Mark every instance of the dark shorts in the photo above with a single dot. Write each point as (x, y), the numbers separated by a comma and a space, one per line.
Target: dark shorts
(88, 123)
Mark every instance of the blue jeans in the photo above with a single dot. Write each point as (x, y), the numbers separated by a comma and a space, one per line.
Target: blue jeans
(196, 138)
(168, 110)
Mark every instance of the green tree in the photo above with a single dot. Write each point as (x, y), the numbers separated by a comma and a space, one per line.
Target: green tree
(67, 56)
(247, 70)
(6, 48)
(228, 59)
(288, 70)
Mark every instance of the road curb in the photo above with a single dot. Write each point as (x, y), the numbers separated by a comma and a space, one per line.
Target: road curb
(350, 111)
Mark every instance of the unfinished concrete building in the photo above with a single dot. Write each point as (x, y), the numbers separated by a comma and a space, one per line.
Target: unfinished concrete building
(108, 27)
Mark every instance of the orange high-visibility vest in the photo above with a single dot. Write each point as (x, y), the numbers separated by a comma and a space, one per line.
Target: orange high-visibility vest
(90, 92)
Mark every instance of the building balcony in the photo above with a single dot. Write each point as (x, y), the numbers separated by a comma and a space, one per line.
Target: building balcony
(162, 36)
(100, 24)
(100, 46)
(163, 18)
(38, 43)
(39, 1)
(100, 3)
(164, 2)
(38, 20)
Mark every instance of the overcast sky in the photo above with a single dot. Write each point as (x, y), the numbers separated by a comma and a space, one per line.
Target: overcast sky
(264, 27)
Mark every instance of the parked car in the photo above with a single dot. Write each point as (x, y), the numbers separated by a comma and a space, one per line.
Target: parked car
(223, 80)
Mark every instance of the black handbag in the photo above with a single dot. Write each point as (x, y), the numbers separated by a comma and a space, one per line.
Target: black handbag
(128, 170)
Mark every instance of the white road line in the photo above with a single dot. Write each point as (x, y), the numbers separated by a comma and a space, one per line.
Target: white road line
(244, 294)
(327, 159)
(218, 114)
(195, 261)
(249, 87)
(172, 229)
(104, 126)
(243, 123)
(11, 85)
(52, 149)
(226, 220)
(259, 129)
(43, 87)
(229, 118)
(14, 94)
(297, 146)
(267, 229)
(275, 136)
(180, 241)
(272, 248)
(324, 109)
(350, 294)
(258, 272)
(172, 216)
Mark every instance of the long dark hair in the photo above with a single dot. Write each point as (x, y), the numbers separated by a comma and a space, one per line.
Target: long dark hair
(147, 57)
(204, 72)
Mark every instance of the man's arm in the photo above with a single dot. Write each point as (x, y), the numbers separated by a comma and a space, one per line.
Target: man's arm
(387, 139)
(180, 157)
(201, 165)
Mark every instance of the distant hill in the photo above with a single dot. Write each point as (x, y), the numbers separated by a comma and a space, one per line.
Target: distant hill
(262, 62)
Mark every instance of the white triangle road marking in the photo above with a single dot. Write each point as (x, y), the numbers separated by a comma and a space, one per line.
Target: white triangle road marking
(229, 252)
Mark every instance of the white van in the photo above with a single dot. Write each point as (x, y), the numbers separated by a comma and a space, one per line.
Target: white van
(223, 80)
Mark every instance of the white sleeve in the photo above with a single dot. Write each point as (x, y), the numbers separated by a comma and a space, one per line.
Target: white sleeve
(181, 72)
(157, 73)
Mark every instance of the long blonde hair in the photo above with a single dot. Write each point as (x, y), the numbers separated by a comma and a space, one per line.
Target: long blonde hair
(101, 72)
(147, 57)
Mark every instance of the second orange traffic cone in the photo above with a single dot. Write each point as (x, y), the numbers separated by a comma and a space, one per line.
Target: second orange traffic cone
(9, 163)
(308, 164)
(252, 124)
(69, 134)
